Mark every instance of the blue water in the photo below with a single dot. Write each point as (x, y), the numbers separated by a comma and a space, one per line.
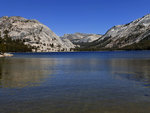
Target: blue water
(75, 82)
(103, 54)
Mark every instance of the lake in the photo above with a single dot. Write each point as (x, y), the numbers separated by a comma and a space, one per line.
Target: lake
(76, 82)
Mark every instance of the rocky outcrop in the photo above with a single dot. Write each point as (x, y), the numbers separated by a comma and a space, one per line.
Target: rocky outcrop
(33, 33)
(124, 35)
(6, 55)
(132, 35)
(79, 38)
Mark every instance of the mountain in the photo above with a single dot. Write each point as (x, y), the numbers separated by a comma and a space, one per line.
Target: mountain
(134, 35)
(33, 33)
(81, 38)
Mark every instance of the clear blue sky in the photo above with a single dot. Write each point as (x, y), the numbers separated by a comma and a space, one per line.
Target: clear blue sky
(69, 16)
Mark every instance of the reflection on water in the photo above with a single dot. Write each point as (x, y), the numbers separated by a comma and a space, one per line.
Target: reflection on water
(98, 82)
(17, 73)
(132, 69)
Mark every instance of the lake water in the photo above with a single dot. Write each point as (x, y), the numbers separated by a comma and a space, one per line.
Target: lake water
(76, 82)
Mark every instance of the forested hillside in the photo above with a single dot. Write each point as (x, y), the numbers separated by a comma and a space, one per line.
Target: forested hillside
(16, 45)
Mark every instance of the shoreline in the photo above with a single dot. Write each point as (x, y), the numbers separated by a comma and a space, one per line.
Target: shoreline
(6, 55)
(11, 54)
(78, 51)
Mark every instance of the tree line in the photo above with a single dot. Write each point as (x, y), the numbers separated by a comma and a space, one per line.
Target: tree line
(7, 44)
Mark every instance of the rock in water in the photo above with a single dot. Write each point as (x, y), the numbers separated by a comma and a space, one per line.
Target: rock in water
(33, 33)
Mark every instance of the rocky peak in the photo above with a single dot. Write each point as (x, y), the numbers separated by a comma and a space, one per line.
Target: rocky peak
(33, 33)
(144, 20)
(123, 35)
(78, 38)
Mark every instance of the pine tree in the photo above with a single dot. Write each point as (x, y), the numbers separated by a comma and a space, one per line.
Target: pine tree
(9, 45)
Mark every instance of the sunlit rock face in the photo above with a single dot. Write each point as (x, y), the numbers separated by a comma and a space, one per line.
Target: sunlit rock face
(33, 33)
(78, 38)
(128, 34)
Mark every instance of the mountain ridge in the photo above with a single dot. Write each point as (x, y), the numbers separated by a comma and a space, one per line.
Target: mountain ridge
(133, 35)
(122, 36)
(34, 34)
(80, 39)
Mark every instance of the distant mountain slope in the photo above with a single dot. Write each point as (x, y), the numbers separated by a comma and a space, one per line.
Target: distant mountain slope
(33, 33)
(81, 38)
(133, 35)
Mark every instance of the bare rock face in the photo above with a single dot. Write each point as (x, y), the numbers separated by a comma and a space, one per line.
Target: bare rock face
(34, 34)
(78, 38)
(125, 35)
